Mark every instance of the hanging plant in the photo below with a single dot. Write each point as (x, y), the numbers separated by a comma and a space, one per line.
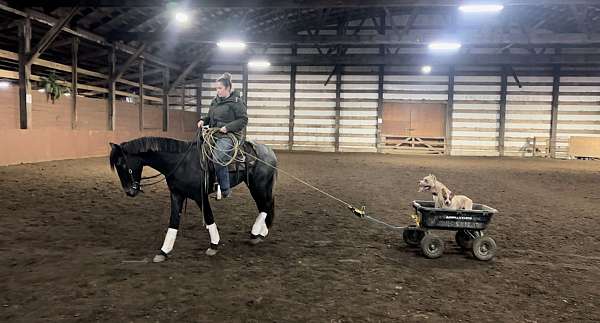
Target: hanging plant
(52, 88)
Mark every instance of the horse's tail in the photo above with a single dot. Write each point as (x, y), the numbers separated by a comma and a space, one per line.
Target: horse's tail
(271, 212)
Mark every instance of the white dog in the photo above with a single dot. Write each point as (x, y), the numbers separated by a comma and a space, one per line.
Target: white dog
(442, 196)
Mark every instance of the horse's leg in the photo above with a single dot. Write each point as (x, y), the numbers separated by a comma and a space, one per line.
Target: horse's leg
(176, 206)
(211, 226)
(261, 187)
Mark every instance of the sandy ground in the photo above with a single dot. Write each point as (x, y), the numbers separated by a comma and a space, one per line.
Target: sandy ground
(74, 247)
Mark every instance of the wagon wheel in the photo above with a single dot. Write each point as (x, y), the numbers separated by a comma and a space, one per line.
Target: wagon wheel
(412, 236)
(484, 248)
(464, 239)
(432, 246)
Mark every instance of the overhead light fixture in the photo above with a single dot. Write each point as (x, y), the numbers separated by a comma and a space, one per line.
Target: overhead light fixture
(182, 18)
(4, 84)
(259, 64)
(426, 69)
(444, 46)
(481, 8)
(41, 90)
(231, 44)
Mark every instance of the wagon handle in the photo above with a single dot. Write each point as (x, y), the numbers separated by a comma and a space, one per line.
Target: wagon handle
(358, 212)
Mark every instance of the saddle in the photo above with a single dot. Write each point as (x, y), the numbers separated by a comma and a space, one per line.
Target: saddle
(248, 150)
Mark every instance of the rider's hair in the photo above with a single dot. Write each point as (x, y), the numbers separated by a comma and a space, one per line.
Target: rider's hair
(225, 79)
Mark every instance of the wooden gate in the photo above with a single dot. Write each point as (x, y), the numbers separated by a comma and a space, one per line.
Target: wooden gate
(413, 128)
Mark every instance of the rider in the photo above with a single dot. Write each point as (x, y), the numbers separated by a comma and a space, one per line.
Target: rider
(228, 113)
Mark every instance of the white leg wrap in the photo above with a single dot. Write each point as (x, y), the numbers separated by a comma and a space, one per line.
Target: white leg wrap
(169, 240)
(214, 233)
(260, 227)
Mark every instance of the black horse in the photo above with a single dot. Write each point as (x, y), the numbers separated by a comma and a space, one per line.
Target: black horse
(187, 176)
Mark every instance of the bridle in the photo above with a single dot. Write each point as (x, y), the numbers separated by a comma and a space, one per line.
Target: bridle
(137, 185)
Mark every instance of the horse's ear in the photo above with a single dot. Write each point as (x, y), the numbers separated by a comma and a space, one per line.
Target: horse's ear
(114, 146)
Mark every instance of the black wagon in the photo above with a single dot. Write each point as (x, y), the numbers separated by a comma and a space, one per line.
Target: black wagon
(468, 224)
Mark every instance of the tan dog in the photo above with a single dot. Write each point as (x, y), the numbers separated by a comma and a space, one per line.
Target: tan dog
(442, 196)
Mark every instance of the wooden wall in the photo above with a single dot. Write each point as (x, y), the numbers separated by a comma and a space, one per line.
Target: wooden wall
(51, 136)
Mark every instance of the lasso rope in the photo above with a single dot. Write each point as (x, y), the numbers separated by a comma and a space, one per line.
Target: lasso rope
(210, 146)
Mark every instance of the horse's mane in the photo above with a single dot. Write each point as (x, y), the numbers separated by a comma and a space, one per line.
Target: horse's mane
(155, 144)
(150, 144)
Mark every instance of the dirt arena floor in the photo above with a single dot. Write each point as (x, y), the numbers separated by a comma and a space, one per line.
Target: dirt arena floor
(75, 248)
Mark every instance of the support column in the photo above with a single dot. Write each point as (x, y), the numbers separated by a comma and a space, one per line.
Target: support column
(112, 61)
(502, 124)
(141, 103)
(25, 99)
(338, 105)
(449, 111)
(378, 143)
(74, 80)
(165, 123)
(292, 114)
(199, 97)
(183, 97)
(554, 114)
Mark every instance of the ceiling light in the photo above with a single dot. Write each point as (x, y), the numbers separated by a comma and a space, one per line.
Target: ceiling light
(444, 46)
(480, 8)
(259, 64)
(231, 44)
(426, 69)
(4, 84)
(182, 17)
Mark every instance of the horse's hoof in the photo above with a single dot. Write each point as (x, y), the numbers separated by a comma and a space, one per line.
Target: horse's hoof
(256, 239)
(211, 252)
(159, 258)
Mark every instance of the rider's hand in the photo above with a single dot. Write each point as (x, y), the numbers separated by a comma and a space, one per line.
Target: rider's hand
(200, 124)
(223, 129)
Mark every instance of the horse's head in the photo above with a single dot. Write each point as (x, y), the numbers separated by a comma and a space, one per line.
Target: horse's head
(129, 168)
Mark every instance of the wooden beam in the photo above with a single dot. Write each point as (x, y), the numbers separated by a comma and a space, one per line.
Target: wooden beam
(411, 20)
(165, 107)
(188, 69)
(292, 111)
(580, 16)
(290, 4)
(84, 34)
(61, 43)
(449, 111)
(25, 98)
(74, 63)
(66, 68)
(141, 91)
(502, 123)
(330, 75)
(51, 35)
(15, 76)
(9, 25)
(554, 112)
(127, 63)
(112, 62)
(146, 73)
(411, 60)
(471, 37)
(338, 105)
(390, 17)
(94, 54)
(515, 76)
